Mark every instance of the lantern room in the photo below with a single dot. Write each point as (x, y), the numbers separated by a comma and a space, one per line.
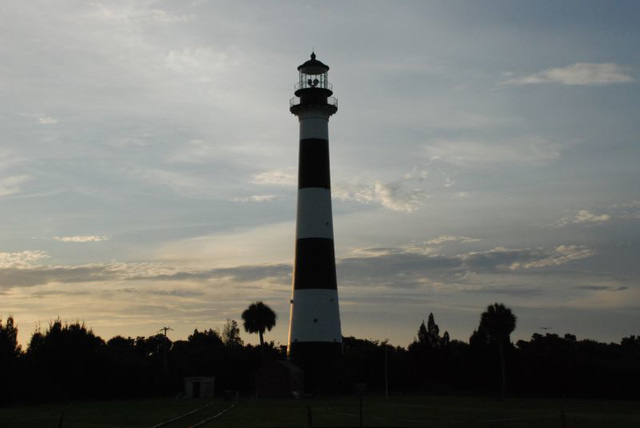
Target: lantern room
(313, 74)
(313, 87)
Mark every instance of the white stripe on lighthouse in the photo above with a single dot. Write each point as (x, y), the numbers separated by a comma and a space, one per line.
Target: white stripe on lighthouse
(317, 316)
(314, 219)
(314, 125)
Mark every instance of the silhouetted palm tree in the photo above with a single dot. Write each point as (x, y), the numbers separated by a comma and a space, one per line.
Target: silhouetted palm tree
(257, 318)
(498, 322)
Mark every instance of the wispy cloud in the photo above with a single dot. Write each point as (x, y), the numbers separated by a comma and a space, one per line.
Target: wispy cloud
(8, 159)
(627, 210)
(201, 64)
(584, 217)
(21, 259)
(450, 238)
(413, 265)
(395, 196)
(184, 183)
(477, 152)
(164, 17)
(130, 12)
(419, 173)
(21, 270)
(81, 239)
(507, 259)
(194, 151)
(582, 73)
(256, 198)
(47, 120)
(276, 177)
(248, 273)
(602, 288)
(12, 184)
(560, 255)
(425, 248)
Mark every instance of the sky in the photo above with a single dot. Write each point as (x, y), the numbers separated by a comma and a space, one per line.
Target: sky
(483, 151)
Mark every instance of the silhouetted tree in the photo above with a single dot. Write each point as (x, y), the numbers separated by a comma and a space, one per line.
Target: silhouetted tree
(257, 318)
(231, 334)
(627, 342)
(67, 357)
(496, 324)
(10, 352)
(429, 354)
(9, 347)
(131, 372)
(204, 353)
(445, 339)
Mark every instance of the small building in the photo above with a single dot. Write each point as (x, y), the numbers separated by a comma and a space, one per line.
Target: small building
(199, 387)
(279, 379)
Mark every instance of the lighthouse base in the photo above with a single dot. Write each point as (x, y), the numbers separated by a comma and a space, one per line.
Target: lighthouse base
(322, 363)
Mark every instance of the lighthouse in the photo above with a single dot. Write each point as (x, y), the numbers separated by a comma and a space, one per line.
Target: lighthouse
(315, 336)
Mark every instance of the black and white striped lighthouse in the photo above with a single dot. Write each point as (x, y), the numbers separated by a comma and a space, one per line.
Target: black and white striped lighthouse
(315, 336)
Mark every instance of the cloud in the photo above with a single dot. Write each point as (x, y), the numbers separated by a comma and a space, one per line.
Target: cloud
(276, 177)
(394, 196)
(11, 185)
(417, 172)
(601, 288)
(164, 292)
(450, 238)
(22, 259)
(47, 120)
(182, 183)
(130, 12)
(462, 195)
(8, 159)
(81, 239)
(506, 290)
(29, 276)
(424, 248)
(505, 259)
(582, 73)
(256, 198)
(396, 269)
(584, 217)
(238, 274)
(560, 255)
(201, 64)
(477, 152)
(195, 151)
(412, 266)
(19, 270)
(163, 17)
(628, 210)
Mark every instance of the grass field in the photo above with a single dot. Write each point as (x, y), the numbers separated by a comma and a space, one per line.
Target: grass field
(407, 411)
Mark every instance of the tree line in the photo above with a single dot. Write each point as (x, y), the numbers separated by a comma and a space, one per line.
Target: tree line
(68, 361)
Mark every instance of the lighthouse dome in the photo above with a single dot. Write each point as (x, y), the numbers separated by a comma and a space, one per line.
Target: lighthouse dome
(313, 66)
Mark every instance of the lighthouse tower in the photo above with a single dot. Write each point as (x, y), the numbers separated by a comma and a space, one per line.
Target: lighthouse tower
(315, 337)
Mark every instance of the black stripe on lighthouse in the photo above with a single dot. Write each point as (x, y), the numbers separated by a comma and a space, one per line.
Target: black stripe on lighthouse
(313, 164)
(315, 264)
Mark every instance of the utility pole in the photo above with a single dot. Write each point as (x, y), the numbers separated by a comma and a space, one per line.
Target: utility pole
(386, 371)
(164, 348)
